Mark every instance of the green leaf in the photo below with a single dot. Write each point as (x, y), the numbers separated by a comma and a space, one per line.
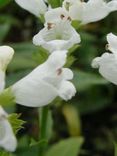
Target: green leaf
(70, 61)
(21, 62)
(4, 29)
(76, 24)
(115, 149)
(9, 19)
(70, 58)
(6, 97)
(85, 80)
(93, 100)
(49, 131)
(72, 119)
(67, 147)
(24, 148)
(4, 153)
(16, 123)
(55, 3)
(74, 48)
(23, 47)
(12, 78)
(3, 3)
(23, 57)
(40, 56)
(38, 143)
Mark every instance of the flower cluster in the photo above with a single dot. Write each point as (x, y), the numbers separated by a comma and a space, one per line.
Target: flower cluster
(84, 12)
(51, 79)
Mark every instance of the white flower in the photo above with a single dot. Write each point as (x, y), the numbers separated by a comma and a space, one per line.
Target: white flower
(36, 7)
(57, 36)
(91, 11)
(107, 63)
(7, 137)
(6, 54)
(57, 14)
(45, 83)
(112, 43)
(2, 81)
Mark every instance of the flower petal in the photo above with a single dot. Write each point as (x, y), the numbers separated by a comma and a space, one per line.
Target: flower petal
(67, 74)
(55, 15)
(7, 137)
(112, 5)
(95, 11)
(38, 88)
(107, 64)
(8, 142)
(36, 7)
(112, 42)
(33, 93)
(2, 81)
(96, 62)
(6, 54)
(61, 36)
(57, 45)
(91, 11)
(57, 60)
(67, 90)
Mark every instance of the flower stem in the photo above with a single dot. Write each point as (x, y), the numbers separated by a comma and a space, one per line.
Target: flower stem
(43, 128)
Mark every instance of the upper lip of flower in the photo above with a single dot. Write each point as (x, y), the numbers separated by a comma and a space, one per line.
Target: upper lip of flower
(57, 14)
(36, 7)
(6, 54)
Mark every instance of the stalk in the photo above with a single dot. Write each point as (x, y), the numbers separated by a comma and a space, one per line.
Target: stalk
(43, 128)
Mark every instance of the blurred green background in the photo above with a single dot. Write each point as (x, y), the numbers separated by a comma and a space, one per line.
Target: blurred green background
(92, 113)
